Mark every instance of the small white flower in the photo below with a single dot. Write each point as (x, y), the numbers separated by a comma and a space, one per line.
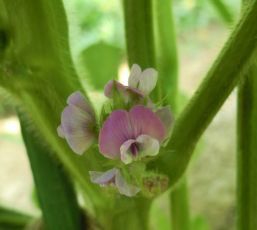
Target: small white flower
(145, 81)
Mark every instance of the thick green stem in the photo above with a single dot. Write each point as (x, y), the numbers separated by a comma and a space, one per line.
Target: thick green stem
(247, 153)
(220, 81)
(37, 69)
(129, 214)
(139, 32)
(55, 191)
(247, 150)
(180, 215)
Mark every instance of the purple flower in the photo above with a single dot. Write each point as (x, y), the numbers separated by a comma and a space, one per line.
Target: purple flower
(140, 84)
(113, 177)
(131, 135)
(77, 123)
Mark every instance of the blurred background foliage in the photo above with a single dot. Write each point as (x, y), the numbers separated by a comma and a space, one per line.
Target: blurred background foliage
(98, 48)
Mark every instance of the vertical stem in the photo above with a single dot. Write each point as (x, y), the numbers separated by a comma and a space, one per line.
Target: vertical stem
(167, 58)
(180, 215)
(247, 153)
(168, 69)
(138, 17)
(130, 214)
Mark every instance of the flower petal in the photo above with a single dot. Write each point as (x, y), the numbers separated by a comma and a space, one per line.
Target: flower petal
(148, 146)
(134, 76)
(112, 86)
(144, 121)
(78, 100)
(125, 153)
(125, 188)
(148, 80)
(103, 178)
(77, 128)
(115, 131)
(166, 117)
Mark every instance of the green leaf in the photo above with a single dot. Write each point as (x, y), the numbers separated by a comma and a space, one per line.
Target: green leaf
(11, 219)
(101, 61)
(223, 10)
(200, 223)
(55, 191)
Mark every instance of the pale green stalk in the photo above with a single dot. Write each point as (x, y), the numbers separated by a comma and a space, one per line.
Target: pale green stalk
(167, 62)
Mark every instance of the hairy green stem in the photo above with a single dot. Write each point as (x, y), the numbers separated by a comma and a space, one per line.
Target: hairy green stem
(220, 81)
(38, 71)
(55, 191)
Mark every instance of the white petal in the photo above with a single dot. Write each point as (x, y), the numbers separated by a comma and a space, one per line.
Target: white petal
(148, 146)
(103, 178)
(125, 188)
(148, 80)
(125, 154)
(134, 76)
(76, 127)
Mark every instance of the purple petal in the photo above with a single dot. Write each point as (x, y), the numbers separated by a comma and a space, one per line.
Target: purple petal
(125, 188)
(103, 178)
(77, 128)
(165, 116)
(78, 100)
(144, 121)
(115, 131)
(113, 86)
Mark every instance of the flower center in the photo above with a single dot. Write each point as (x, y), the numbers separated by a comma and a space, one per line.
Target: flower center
(134, 149)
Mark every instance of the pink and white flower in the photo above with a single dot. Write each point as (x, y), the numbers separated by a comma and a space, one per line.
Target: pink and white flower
(78, 123)
(131, 135)
(140, 84)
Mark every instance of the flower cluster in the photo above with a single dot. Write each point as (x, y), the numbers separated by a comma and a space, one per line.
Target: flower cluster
(131, 132)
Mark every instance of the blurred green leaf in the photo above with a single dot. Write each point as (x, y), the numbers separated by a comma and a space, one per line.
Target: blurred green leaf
(55, 191)
(101, 62)
(11, 219)
(200, 223)
(223, 10)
